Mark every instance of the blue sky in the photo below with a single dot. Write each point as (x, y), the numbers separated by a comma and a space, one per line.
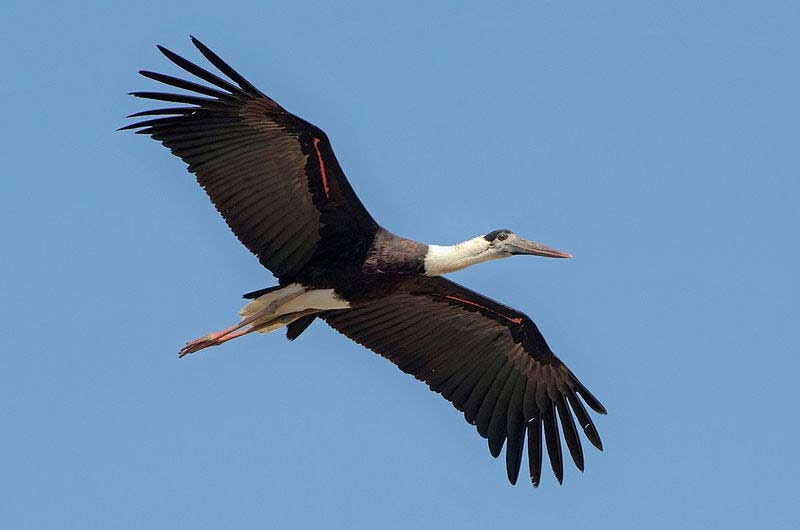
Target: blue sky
(657, 142)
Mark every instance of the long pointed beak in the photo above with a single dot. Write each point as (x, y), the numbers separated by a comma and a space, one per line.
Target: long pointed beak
(523, 246)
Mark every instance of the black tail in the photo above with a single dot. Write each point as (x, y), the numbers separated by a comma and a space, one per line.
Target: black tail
(294, 329)
(255, 294)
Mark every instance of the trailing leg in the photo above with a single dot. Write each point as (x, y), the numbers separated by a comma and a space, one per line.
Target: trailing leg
(272, 310)
(255, 315)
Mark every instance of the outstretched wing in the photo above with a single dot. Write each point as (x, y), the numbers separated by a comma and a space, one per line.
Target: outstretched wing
(272, 176)
(487, 359)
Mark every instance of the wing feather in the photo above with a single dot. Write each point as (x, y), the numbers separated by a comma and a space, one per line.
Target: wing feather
(261, 166)
(487, 359)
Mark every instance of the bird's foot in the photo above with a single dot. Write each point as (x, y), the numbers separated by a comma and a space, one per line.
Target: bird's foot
(213, 339)
(197, 345)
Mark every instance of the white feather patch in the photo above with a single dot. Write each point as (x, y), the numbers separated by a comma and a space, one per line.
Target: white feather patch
(297, 298)
(444, 259)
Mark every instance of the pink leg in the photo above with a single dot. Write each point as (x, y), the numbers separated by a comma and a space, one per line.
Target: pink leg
(214, 339)
(217, 338)
(235, 331)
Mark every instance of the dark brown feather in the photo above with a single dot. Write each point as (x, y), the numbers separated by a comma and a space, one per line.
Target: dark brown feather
(272, 176)
(296, 328)
(515, 431)
(535, 449)
(489, 360)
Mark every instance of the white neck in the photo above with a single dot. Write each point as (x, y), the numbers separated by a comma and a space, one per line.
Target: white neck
(450, 258)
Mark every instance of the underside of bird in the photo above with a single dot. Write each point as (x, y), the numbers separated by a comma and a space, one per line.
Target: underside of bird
(271, 309)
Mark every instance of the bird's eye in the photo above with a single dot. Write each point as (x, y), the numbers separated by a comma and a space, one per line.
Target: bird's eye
(502, 237)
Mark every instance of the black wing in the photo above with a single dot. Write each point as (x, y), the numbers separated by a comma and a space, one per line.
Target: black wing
(489, 360)
(272, 176)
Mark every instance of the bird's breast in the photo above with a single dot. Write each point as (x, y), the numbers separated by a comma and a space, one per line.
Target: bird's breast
(398, 259)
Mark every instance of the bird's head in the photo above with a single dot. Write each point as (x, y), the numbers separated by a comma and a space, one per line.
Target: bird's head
(504, 243)
(494, 245)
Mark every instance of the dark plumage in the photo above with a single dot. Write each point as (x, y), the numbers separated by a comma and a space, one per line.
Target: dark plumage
(275, 180)
(491, 236)
(487, 359)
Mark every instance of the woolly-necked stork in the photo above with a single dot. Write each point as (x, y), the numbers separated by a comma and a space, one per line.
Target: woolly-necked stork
(275, 180)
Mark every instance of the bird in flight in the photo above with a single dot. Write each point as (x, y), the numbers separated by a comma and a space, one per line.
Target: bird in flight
(275, 180)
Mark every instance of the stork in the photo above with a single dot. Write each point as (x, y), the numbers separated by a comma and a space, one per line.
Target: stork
(275, 180)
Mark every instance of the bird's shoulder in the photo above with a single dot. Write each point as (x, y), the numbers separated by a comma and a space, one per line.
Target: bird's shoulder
(392, 254)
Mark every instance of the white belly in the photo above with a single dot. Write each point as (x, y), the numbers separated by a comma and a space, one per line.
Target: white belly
(322, 299)
(293, 298)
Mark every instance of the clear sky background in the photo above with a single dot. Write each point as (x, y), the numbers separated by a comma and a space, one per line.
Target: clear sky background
(656, 141)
